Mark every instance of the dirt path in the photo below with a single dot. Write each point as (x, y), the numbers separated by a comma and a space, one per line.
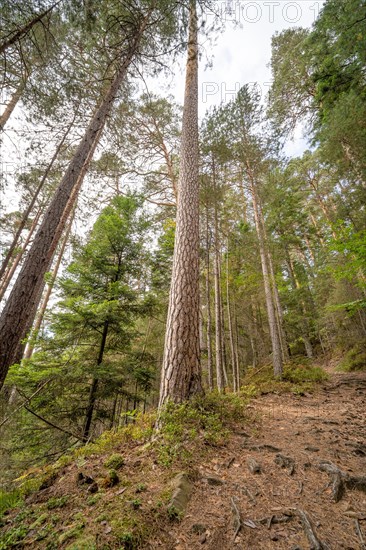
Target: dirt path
(287, 442)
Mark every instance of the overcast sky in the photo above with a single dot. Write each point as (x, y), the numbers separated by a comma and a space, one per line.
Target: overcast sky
(242, 52)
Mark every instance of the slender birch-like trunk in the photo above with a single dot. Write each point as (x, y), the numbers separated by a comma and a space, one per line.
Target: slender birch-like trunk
(272, 321)
(8, 275)
(220, 379)
(208, 302)
(231, 332)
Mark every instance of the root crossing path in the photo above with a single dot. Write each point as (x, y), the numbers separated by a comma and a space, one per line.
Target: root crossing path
(293, 480)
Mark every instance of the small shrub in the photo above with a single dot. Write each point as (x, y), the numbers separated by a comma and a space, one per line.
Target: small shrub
(13, 536)
(354, 360)
(115, 461)
(201, 421)
(174, 514)
(9, 500)
(54, 502)
(304, 374)
(111, 479)
(136, 503)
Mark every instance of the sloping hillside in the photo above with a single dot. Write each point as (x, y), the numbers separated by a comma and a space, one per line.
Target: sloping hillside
(280, 471)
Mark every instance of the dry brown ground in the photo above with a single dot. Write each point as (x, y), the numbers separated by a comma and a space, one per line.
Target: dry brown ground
(329, 425)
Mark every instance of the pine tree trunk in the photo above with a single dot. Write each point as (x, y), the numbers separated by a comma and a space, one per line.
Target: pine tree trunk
(230, 323)
(208, 302)
(220, 381)
(11, 268)
(276, 296)
(181, 370)
(304, 324)
(4, 117)
(40, 314)
(94, 386)
(237, 348)
(29, 209)
(273, 326)
(279, 311)
(113, 412)
(19, 311)
(223, 332)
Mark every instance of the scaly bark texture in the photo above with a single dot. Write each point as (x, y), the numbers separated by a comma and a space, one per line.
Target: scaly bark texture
(181, 370)
(19, 311)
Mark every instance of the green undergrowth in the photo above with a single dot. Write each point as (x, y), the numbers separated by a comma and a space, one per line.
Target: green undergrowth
(190, 427)
(299, 377)
(132, 502)
(39, 477)
(128, 511)
(354, 360)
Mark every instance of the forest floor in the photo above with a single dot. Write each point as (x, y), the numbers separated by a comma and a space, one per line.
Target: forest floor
(291, 477)
(293, 435)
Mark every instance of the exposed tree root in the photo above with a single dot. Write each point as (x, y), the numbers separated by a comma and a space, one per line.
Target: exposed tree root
(341, 480)
(315, 543)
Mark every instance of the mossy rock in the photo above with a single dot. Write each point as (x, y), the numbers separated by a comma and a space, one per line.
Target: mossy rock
(182, 490)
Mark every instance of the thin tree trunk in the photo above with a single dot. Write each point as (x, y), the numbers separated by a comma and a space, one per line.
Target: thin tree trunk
(113, 413)
(279, 310)
(29, 209)
(237, 348)
(220, 381)
(11, 269)
(276, 296)
(17, 316)
(230, 323)
(273, 326)
(39, 317)
(304, 323)
(11, 105)
(181, 370)
(94, 386)
(208, 302)
(223, 332)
